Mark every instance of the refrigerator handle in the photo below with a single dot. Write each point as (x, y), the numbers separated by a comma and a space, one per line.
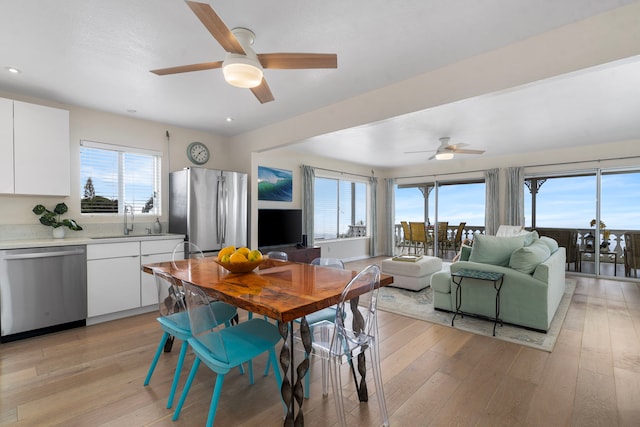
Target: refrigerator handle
(222, 210)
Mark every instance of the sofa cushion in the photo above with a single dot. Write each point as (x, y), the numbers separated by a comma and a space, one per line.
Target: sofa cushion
(527, 258)
(551, 243)
(495, 250)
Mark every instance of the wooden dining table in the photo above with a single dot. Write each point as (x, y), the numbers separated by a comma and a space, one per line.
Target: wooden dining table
(283, 291)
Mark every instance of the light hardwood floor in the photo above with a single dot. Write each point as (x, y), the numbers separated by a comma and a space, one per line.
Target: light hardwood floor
(433, 375)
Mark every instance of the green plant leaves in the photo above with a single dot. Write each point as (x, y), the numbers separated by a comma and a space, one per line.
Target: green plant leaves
(52, 219)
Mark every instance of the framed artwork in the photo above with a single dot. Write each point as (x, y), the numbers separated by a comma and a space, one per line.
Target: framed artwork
(275, 184)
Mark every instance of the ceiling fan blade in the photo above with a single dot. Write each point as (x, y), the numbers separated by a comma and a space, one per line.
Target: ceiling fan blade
(290, 61)
(262, 92)
(462, 151)
(419, 151)
(216, 27)
(187, 68)
(432, 157)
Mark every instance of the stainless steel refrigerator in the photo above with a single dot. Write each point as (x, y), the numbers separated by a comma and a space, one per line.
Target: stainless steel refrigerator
(209, 207)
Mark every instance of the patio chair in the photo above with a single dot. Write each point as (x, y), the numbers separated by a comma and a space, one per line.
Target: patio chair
(567, 238)
(418, 236)
(442, 230)
(631, 253)
(336, 344)
(406, 235)
(222, 349)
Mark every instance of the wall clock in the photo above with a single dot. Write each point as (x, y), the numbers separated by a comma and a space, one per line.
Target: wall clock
(198, 153)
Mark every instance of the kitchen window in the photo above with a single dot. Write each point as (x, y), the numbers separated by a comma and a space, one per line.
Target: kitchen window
(112, 176)
(340, 209)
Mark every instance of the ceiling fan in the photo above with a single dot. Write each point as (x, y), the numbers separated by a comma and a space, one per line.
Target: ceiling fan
(242, 67)
(446, 150)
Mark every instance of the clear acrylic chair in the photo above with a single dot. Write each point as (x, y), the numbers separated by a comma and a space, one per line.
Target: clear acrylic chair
(337, 344)
(175, 323)
(282, 256)
(326, 314)
(222, 349)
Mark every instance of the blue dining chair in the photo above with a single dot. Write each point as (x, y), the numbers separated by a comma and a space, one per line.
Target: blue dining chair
(174, 322)
(222, 349)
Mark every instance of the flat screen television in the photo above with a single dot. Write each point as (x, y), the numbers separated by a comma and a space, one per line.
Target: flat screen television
(279, 227)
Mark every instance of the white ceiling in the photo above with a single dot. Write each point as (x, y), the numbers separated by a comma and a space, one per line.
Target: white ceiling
(98, 54)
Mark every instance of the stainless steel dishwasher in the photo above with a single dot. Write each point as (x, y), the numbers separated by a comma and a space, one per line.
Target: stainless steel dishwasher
(42, 290)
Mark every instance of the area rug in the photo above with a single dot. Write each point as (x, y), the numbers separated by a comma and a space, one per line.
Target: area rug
(419, 305)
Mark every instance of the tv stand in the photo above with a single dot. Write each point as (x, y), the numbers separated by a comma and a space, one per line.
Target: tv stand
(295, 254)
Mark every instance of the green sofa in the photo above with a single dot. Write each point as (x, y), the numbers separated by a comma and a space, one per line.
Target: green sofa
(534, 280)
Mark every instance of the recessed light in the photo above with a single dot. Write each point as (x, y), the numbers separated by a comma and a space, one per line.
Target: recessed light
(229, 119)
(132, 111)
(13, 70)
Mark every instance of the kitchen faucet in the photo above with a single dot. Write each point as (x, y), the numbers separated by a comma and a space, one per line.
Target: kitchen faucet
(126, 227)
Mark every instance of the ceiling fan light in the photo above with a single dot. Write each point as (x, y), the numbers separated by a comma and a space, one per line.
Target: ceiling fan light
(444, 156)
(242, 72)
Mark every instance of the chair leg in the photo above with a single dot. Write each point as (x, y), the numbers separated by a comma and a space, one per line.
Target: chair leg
(377, 375)
(156, 357)
(187, 386)
(176, 375)
(336, 383)
(215, 398)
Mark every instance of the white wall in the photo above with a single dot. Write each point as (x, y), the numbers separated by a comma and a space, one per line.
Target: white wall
(86, 124)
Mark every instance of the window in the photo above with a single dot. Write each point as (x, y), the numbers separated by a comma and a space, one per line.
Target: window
(112, 176)
(340, 209)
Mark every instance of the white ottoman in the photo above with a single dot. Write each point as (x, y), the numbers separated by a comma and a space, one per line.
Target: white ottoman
(412, 275)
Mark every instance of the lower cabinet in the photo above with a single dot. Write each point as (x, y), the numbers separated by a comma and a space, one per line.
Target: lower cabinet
(113, 277)
(115, 281)
(151, 252)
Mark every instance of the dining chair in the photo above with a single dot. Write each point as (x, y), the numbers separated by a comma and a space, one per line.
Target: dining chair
(222, 349)
(336, 344)
(175, 323)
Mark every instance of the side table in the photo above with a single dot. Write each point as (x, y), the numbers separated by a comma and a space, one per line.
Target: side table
(465, 273)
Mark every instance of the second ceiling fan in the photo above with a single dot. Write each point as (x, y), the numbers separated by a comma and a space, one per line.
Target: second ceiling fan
(446, 150)
(242, 67)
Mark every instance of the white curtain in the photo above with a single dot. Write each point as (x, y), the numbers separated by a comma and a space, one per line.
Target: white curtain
(373, 181)
(492, 202)
(390, 213)
(514, 206)
(308, 179)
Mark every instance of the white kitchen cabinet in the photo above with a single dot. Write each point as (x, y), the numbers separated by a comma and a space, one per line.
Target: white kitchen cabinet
(6, 146)
(113, 277)
(152, 251)
(40, 157)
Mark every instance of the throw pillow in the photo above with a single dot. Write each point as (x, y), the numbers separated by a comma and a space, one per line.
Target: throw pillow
(550, 242)
(527, 258)
(495, 250)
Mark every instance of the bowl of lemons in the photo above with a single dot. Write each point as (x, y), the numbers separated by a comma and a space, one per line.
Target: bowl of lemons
(239, 260)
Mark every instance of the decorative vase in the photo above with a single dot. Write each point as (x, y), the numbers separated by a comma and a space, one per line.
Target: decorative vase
(58, 233)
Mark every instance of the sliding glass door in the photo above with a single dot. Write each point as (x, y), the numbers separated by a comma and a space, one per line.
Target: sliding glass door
(590, 211)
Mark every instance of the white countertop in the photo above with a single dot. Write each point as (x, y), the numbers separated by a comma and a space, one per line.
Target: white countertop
(68, 241)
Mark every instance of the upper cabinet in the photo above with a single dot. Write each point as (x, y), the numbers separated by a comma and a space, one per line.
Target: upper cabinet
(6, 146)
(40, 149)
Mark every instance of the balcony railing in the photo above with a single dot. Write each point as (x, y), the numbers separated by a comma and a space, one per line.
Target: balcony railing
(616, 241)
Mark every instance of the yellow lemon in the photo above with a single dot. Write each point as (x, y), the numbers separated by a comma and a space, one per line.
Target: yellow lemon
(237, 258)
(226, 251)
(244, 251)
(255, 255)
(225, 258)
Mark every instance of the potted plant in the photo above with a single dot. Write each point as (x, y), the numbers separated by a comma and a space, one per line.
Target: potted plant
(52, 219)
